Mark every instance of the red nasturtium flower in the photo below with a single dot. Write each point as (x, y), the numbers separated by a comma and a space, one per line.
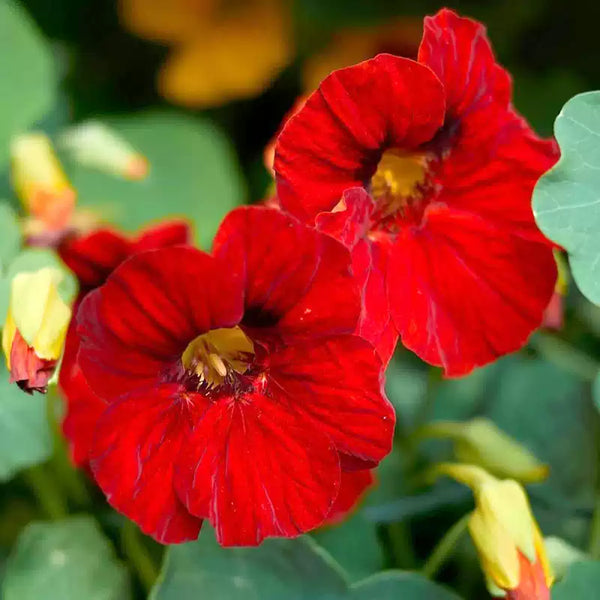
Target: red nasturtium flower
(446, 168)
(235, 389)
(92, 258)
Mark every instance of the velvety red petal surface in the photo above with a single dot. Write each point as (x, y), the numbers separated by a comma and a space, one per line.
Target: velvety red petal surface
(335, 141)
(494, 178)
(298, 282)
(255, 468)
(463, 292)
(140, 321)
(337, 383)
(354, 485)
(135, 449)
(459, 53)
(172, 233)
(93, 257)
(350, 223)
(83, 407)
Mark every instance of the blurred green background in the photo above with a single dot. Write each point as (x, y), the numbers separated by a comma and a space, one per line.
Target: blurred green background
(204, 162)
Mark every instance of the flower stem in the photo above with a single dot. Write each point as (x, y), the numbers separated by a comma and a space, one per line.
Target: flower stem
(138, 555)
(47, 493)
(445, 546)
(594, 545)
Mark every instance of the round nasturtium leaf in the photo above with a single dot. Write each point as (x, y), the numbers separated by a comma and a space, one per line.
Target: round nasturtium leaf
(393, 585)
(25, 438)
(354, 545)
(193, 174)
(65, 560)
(566, 200)
(27, 74)
(295, 569)
(581, 581)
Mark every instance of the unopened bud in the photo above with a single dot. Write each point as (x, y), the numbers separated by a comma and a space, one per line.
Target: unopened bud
(481, 442)
(39, 181)
(95, 145)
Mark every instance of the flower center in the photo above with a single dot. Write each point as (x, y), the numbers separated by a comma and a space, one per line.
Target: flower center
(216, 357)
(398, 180)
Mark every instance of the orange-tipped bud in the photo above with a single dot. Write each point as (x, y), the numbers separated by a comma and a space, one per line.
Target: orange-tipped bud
(39, 181)
(36, 325)
(506, 535)
(97, 146)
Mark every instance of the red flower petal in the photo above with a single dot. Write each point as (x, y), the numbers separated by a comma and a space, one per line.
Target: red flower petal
(134, 453)
(459, 53)
(298, 282)
(93, 257)
(30, 372)
(463, 292)
(141, 320)
(491, 172)
(173, 233)
(255, 468)
(83, 407)
(338, 384)
(353, 486)
(335, 141)
(350, 224)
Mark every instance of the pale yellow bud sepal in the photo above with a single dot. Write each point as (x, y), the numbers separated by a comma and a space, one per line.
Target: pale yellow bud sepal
(503, 529)
(36, 325)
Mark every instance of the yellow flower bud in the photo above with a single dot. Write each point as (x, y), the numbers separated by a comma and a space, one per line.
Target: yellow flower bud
(39, 181)
(95, 145)
(480, 442)
(35, 329)
(506, 535)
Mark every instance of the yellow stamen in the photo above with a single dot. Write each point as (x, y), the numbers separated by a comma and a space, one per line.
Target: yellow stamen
(212, 356)
(397, 179)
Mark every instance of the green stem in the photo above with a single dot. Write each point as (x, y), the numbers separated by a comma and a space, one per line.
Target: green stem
(138, 555)
(594, 545)
(445, 546)
(402, 548)
(566, 356)
(47, 493)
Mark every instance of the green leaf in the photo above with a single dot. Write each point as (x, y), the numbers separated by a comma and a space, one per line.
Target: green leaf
(193, 174)
(354, 545)
(562, 555)
(566, 200)
(25, 438)
(10, 235)
(292, 569)
(581, 582)
(548, 411)
(26, 72)
(66, 560)
(396, 585)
